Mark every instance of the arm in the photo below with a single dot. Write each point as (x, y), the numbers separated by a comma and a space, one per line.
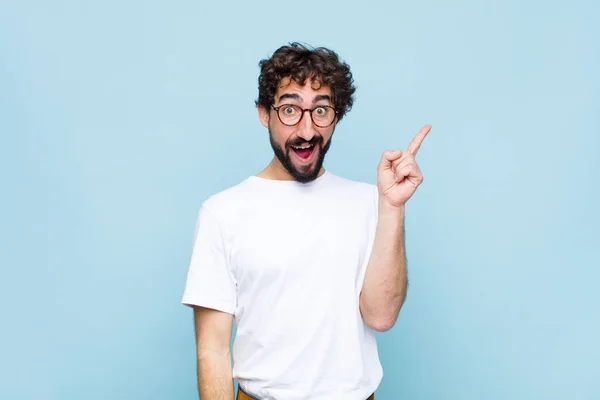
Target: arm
(213, 336)
(385, 283)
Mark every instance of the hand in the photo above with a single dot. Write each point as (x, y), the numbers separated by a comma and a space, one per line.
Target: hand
(398, 174)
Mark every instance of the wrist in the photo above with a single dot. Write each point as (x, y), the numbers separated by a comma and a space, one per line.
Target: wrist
(388, 210)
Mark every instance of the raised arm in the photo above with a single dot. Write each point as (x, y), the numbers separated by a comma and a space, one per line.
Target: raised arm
(213, 337)
(386, 281)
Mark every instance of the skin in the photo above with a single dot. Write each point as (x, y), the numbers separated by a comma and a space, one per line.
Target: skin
(398, 176)
(290, 92)
(213, 334)
(385, 284)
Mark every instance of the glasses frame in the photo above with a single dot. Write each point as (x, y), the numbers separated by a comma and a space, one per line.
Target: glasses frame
(304, 110)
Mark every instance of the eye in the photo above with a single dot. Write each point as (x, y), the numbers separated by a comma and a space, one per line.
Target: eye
(289, 110)
(321, 111)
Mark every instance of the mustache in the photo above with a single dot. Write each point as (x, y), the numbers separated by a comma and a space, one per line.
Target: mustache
(318, 139)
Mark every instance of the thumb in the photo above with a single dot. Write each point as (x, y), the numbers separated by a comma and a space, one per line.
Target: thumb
(388, 157)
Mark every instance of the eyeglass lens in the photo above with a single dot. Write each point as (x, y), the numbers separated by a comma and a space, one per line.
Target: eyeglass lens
(291, 114)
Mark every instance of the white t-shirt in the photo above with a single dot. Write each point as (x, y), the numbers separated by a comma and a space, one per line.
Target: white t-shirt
(288, 261)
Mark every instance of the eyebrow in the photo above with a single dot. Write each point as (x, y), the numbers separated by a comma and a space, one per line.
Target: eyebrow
(295, 96)
(322, 97)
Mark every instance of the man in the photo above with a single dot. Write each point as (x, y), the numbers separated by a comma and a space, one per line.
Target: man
(310, 264)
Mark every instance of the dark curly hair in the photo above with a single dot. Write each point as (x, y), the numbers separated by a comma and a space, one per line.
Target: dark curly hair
(300, 62)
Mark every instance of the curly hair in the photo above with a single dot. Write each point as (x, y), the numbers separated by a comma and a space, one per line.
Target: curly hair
(299, 62)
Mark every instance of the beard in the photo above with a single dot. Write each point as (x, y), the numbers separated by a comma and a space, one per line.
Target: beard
(283, 155)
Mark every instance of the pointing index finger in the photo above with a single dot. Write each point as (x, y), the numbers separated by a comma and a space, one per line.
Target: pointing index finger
(414, 146)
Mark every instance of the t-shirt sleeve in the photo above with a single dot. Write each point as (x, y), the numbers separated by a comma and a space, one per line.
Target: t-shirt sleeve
(210, 282)
(372, 206)
(375, 203)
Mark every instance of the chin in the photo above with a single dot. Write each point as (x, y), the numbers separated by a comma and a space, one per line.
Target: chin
(306, 174)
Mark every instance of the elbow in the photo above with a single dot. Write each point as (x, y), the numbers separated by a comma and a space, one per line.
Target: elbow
(380, 319)
(381, 324)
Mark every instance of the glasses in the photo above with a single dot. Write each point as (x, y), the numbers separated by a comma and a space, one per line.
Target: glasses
(290, 114)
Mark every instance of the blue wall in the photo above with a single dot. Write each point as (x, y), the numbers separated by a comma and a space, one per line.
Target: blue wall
(117, 119)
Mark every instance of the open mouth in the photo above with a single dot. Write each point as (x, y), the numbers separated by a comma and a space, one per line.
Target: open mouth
(304, 152)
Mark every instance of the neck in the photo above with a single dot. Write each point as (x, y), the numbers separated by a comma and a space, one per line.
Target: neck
(276, 171)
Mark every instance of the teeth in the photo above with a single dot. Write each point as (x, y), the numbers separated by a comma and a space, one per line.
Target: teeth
(304, 146)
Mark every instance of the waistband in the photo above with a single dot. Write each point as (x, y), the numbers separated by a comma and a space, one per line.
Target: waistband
(241, 395)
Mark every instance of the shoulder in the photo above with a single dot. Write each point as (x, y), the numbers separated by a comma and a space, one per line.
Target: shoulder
(361, 198)
(226, 198)
(225, 204)
(361, 195)
(355, 187)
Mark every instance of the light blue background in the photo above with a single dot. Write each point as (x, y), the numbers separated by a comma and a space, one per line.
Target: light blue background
(117, 119)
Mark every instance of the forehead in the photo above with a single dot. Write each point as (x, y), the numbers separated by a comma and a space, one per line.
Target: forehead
(307, 92)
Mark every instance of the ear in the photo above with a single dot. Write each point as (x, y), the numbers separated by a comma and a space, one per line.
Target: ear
(263, 115)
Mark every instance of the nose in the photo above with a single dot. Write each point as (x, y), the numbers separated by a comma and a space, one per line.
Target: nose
(306, 129)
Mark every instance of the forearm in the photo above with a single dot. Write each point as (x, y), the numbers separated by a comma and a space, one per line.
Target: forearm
(215, 381)
(385, 284)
